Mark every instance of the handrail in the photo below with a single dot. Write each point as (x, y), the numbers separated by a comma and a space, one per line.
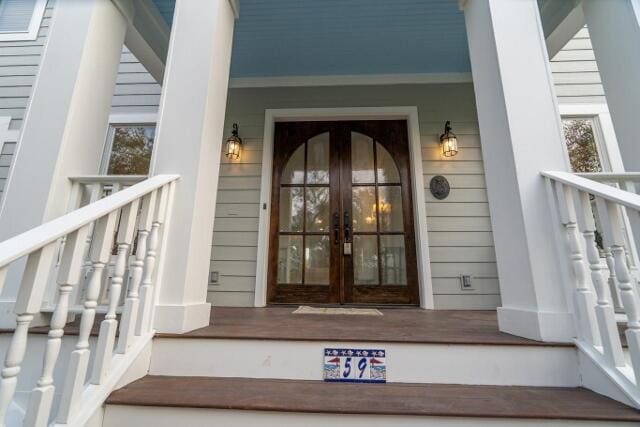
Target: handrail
(98, 179)
(88, 240)
(611, 176)
(607, 192)
(36, 238)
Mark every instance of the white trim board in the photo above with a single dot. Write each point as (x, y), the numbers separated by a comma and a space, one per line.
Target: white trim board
(410, 114)
(349, 80)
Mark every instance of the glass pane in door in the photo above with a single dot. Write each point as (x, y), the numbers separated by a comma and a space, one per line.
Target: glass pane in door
(290, 259)
(363, 200)
(392, 260)
(317, 209)
(316, 260)
(362, 164)
(291, 209)
(390, 209)
(318, 159)
(365, 260)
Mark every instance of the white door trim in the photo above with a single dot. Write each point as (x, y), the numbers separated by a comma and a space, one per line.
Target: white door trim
(358, 113)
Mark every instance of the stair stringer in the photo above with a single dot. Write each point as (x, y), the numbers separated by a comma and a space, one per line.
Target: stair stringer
(597, 376)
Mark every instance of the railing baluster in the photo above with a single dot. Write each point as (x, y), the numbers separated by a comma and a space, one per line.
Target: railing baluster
(613, 280)
(107, 335)
(79, 360)
(583, 297)
(132, 302)
(28, 302)
(615, 239)
(605, 314)
(68, 277)
(146, 291)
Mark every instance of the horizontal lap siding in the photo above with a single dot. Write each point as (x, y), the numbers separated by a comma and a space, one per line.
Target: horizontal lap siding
(575, 72)
(459, 227)
(19, 63)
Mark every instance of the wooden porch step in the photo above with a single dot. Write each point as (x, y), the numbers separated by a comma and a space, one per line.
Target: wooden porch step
(430, 400)
(396, 325)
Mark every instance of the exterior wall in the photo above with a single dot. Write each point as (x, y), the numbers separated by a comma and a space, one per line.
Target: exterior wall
(19, 63)
(136, 90)
(459, 226)
(575, 72)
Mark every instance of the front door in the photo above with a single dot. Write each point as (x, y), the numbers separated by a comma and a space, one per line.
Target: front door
(341, 227)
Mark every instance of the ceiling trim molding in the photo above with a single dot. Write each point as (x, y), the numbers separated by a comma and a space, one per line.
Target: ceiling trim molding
(349, 80)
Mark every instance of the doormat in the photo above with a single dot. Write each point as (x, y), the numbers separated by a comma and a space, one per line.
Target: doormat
(305, 309)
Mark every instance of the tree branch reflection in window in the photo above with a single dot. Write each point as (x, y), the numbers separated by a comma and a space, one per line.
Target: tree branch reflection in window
(131, 150)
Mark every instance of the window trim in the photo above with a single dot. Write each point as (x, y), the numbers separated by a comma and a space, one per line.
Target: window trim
(34, 25)
(603, 131)
(127, 120)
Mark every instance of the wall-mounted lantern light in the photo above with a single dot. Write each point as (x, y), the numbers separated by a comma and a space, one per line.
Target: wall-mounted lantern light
(233, 144)
(449, 141)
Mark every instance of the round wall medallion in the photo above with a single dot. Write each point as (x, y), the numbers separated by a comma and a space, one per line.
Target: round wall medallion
(439, 187)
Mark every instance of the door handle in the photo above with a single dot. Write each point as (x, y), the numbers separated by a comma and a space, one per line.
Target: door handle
(347, 226)
(336, 227)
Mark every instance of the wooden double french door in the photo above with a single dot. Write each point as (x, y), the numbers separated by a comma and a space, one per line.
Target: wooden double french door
(341, 227)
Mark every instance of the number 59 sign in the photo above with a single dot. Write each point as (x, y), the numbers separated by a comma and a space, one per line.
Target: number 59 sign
(355, 365)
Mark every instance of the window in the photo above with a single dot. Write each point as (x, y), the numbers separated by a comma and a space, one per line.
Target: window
(579, 134)
(20, 19)
(128, 149)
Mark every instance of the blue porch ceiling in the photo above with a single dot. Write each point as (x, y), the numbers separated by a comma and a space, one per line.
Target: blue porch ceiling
(276, 38)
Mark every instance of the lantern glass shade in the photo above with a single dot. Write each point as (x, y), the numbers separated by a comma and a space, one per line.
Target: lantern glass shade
(233, 145)
(449, 142)
(233, 148)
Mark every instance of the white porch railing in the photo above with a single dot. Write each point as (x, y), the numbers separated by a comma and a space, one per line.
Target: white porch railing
(86, 190)
(90, 232)
(597, 329)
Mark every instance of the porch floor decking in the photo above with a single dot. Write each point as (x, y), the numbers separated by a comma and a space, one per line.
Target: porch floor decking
(396, 325)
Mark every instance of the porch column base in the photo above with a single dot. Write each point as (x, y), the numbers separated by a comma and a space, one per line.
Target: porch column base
(181, 318)
(537, 325)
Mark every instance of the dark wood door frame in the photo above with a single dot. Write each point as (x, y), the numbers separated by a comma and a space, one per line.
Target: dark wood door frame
(392, 135)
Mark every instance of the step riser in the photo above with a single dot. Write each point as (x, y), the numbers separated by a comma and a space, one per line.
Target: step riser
(126, 416)
(406, 363)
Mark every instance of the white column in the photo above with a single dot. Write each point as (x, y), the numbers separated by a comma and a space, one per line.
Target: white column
(67, 117)
(614, 27)
(521, 135)
(188, 143)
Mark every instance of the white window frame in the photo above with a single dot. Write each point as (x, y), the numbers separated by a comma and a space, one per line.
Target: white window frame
(34, 25)
(603, 132)
(128, 120)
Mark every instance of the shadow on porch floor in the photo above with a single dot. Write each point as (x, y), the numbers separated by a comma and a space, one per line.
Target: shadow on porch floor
(401, 325)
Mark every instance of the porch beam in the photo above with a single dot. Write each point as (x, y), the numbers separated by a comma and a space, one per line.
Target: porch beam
(614, 27)
(189, 143)
(561, 21)
(521, 135)
(148, 37)
(66, 120)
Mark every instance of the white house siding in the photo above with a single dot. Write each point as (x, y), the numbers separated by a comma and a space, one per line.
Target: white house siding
(459, 227)
(575, 72)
